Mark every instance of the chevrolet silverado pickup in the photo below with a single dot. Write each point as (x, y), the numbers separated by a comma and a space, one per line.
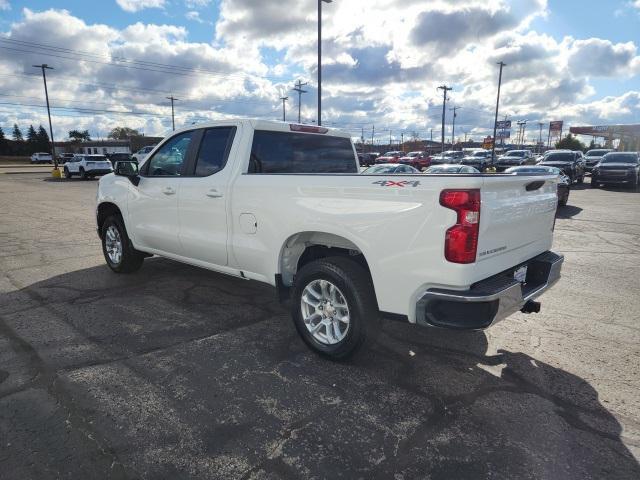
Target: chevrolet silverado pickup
(284, 204)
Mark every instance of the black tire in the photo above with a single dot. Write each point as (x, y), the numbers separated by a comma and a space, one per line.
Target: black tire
(131, 259)
(355, 284)
(67, 173)
(563, 201)
(634, 184)
(594, 184)
(83, 174)
(581, 179)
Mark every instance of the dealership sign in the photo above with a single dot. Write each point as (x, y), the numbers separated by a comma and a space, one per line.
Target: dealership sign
(505, 134)
(555, 126)
(503, 124)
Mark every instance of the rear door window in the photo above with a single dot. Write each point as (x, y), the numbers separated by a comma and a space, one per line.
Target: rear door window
(284, 152)
(214, 150)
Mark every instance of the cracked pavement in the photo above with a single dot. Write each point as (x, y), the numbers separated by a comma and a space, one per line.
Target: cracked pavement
(176, 372)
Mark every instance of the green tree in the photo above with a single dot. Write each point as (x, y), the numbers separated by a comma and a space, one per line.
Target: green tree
(123, 133)
(17, 134)
(32, 140)
(4, 144)
(79, 135)
(43, 140)
(570, 143)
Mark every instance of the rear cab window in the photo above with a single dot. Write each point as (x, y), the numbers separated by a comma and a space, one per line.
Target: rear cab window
(276, 152)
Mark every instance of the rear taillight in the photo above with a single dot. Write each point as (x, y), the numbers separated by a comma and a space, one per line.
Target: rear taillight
(461, 240)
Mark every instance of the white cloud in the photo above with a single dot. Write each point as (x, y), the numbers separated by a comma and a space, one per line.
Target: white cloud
(195, 16)
(137, 5)
(5, 5)
(382, 59)
(197, 3)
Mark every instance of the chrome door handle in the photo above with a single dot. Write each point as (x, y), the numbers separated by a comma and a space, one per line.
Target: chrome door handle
(168, 191)
(213, 193)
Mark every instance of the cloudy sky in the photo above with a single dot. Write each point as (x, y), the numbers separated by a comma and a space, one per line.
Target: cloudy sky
(116, 61)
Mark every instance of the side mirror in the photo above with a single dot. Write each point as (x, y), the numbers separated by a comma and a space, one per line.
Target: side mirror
(128, 169)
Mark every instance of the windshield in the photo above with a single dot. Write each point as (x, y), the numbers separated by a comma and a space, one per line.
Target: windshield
(479, 154)
(391, 154)
(559, 157)
(554, 170)
(619, 158)
(413, 154)
(443, 169)
(515, 153)
(596, 153)
(96, 158)
(381, 169)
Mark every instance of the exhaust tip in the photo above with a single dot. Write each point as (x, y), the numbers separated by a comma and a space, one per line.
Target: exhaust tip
(531, 307)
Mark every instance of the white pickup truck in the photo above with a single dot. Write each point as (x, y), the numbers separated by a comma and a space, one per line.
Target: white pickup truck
(284, 204)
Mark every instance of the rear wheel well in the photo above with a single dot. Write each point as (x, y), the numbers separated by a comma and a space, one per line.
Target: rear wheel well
(105, 210)
(303, 248)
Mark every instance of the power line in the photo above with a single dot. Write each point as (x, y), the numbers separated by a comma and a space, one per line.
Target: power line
(298, 88)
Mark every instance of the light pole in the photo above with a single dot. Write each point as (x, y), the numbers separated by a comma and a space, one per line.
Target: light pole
(320, 59)
(445, 89)
(44, 67)
(495, 122)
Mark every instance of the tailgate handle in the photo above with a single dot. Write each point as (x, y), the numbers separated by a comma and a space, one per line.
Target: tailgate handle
(534, 185)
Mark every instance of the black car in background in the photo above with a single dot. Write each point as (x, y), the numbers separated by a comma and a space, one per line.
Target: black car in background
(592, 157)
(621, 168)
(569, 162)
(564, 181)
(118, 157)
(367, 159)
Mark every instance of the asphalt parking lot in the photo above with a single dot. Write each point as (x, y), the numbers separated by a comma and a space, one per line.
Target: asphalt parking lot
(176, 372)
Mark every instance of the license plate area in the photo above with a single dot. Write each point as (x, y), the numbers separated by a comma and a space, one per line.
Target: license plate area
(520, 274)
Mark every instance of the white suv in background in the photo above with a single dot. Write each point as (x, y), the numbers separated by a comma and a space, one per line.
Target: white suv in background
(41, 157)
(87, 166)
(143, 153)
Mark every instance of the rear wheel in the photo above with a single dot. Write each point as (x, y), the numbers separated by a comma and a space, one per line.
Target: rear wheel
(83, 174)
(117, 248)
(594, 183)
(334, 307)
(581, 179)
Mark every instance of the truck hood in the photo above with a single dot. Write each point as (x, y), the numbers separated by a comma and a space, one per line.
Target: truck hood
(617, 166)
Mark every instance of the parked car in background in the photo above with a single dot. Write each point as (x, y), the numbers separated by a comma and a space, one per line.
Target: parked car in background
(367, 159)
(41, 157)
(87, 166)
(514, 158)
(390, 157)
(417, 160)
(118, 157)
(63, 157)
(141, 154)
(564, 182)
(617, 168)
(456, 168)
(480, 160)
(592, 157)
(569, 162)
(390, 168)
(450, 156)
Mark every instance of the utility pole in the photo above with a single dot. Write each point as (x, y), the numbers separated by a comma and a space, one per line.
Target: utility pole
(361, 139)
(402, 141)
(173, 119)
(373, 132)
(453, 130)
(320, 59)
(44, 67)
(284, 111)
(506, 117)
(540, 124)
(495, 123)
(523, 125)
(390, 143)
(445, 89)
(300, 91)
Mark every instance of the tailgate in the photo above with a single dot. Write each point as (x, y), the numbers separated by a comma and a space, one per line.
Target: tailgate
(516, 220)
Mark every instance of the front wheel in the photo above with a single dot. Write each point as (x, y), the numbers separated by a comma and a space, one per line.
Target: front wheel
(334, 307)
(594, 183)
(581, 179)
(83, 174)
(117, 248)
(67, 173)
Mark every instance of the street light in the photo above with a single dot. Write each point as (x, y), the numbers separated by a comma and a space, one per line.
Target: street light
(320, 58)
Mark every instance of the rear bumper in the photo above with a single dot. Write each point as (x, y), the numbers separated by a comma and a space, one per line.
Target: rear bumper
(489, 300)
